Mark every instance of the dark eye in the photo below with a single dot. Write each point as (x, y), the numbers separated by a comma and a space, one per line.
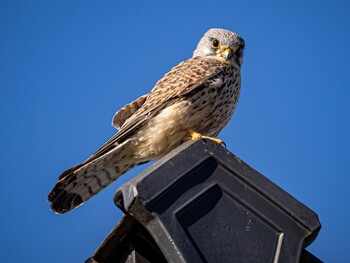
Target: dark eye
(215, 43)
(239, 49)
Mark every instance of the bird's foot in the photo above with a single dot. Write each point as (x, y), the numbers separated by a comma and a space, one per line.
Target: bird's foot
(197, 136)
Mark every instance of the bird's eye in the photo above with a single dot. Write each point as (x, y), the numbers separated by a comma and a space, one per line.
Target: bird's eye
(215, 43)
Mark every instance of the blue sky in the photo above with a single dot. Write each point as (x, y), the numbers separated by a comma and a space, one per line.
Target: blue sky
(67, 66)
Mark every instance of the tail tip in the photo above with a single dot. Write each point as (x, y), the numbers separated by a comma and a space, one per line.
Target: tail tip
(66, 203)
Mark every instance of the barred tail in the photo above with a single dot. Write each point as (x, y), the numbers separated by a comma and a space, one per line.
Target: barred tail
(79, 183)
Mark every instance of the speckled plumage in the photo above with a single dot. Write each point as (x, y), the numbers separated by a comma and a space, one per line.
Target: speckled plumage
(200, 93)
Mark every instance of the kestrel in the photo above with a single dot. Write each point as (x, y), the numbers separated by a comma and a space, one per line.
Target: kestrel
(195, 99)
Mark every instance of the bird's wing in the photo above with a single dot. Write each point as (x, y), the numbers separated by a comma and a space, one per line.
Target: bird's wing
(127, 111)
(184, 78)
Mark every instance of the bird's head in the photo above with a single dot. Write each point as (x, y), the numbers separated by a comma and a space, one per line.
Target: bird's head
(221, 44)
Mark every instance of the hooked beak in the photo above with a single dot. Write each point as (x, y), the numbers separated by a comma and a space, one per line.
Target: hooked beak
(227, 53)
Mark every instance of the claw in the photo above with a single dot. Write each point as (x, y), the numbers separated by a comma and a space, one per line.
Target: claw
(197, 136)
(219, 141)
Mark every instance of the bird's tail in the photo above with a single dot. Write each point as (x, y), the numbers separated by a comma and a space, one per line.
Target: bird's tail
(79, 183)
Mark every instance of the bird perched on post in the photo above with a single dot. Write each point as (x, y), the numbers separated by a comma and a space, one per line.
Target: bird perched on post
(195, 99)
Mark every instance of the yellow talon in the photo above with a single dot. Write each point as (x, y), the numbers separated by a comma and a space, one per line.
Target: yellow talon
(219, 141)
(197, 136)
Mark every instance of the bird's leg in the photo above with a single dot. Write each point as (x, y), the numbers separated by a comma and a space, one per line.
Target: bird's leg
(194, 135)
(197, 136)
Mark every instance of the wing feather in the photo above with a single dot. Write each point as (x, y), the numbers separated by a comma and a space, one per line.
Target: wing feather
(184, 78)
(127, 111)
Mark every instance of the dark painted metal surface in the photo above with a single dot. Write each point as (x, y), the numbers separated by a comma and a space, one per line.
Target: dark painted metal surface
(201, 203)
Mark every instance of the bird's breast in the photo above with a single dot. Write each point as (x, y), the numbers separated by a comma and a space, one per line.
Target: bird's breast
(212, 107)
(207, 110)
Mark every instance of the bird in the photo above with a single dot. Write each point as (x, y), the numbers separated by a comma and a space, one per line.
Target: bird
(194, 100)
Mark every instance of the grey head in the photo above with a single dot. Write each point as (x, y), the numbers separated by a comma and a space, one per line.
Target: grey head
(222, 44)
